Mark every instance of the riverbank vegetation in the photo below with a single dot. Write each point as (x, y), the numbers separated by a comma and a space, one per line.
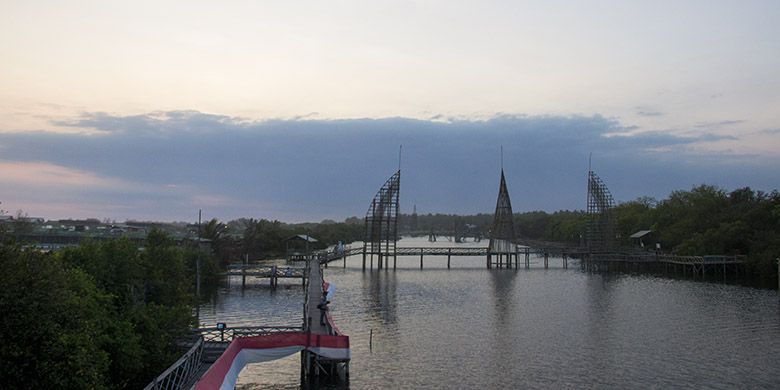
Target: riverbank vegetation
(106, 314)
(100, 315)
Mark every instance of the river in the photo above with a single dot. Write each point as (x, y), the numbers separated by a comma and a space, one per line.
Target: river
(470, 327)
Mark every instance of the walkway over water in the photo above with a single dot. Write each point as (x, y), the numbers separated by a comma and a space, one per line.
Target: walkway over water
(217, 355)
(599, 261)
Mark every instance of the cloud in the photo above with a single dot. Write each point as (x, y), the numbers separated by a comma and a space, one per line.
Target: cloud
(718, 124)
(648, 112)
(164, 165)
(43, 174)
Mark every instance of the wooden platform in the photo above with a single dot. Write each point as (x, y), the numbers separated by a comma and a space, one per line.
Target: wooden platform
(273, 273)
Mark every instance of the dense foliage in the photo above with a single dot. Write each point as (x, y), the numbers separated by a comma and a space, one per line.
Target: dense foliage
(264, 239)
(101, 315)
(710, 221)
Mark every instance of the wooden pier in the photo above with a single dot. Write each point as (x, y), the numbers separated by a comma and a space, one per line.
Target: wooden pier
(685, 266)
(458, 251)
(273, 273)
(601, 262)
(317, 369)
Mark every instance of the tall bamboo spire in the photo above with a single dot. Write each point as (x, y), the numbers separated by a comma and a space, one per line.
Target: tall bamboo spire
(503, 231)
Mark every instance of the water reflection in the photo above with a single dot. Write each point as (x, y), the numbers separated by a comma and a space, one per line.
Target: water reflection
(475, 328)
(379, 295)
(502, 284)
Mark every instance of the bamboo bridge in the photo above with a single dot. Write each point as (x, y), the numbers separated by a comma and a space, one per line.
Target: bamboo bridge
(626, 260)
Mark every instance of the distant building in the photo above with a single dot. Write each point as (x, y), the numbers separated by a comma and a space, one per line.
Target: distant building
(643, 238)
(298, 247)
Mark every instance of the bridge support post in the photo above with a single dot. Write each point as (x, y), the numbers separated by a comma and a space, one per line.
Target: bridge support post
(488, 260)
(395, 259)
(527, 258)
(421, 258)
(243, 278)
(565, 261)
(545, 260)
(449, 254)
(364, 257)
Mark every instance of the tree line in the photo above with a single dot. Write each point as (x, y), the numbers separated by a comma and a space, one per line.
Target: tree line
(704, 220)
(264, 239)
(97, 316)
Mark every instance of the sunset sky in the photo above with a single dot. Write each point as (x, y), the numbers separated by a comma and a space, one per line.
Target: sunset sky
(295, 110)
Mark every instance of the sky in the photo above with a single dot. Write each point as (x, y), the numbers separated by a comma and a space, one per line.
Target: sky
(295, 110)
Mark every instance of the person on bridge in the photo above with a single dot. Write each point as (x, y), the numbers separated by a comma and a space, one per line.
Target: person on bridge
(323, 306)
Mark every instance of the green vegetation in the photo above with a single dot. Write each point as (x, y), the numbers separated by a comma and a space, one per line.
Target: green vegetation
(100, 315)
(710, 221)
(105, 314)
(264, 239)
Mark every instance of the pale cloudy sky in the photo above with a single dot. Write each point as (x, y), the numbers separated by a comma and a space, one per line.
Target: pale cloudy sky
(154, 109)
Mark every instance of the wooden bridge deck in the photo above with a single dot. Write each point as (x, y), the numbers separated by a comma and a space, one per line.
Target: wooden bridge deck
(546, 250)
(326, 257)
(313, 296)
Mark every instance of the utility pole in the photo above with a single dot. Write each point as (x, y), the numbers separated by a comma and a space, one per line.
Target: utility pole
(197, 275)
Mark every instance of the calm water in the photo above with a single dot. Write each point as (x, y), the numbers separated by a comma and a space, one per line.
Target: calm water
(469, 327)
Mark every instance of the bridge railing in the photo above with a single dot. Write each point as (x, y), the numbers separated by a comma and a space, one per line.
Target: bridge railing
(443, 251)
(180, 372)
(734, 259)
(306, 322)
(216, 334)
(266, 271)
